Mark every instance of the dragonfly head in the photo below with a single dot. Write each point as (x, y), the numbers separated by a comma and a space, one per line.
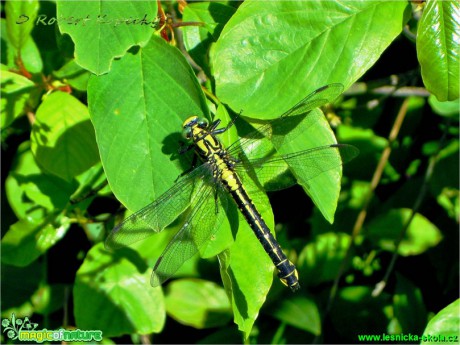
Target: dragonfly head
(192, 123)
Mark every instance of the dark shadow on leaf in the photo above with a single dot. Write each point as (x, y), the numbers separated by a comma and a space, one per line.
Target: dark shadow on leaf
(116, 256)
(171, 147)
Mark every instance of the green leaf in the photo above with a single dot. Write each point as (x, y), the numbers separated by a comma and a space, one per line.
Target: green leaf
(324, 189)
(31, 193)
(104, 30)
(18, 286)
(222, 335)
(245, 267)
(112, 293)
(447, 169)
(74, 75)
(447, 109)
(211, 15)
(370, 146)
(24, 242)
(30, 54)
(137, 116)
(438, 43)
(299, 312)
(15, 91)
(421, 235)
(271, 54)
(62, 137)
(444, 327)
(198, 303)
(20, 17)
(31, 57)
(247, 274)
(444, 184)
(49, 298)
(409, 308)
(320, 260)
(198, 39)
(355, 309)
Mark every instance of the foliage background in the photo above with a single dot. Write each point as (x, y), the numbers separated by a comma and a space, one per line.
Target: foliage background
(74, 95)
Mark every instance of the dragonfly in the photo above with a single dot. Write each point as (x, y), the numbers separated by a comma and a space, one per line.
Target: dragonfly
(199, 199)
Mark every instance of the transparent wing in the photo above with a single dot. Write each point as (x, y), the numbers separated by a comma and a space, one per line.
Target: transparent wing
(308, 164)
(207, 210)
(273, 133)
(156, 216)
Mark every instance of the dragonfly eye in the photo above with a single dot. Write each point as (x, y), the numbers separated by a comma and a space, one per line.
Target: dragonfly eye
(187, 133)
(203, 123)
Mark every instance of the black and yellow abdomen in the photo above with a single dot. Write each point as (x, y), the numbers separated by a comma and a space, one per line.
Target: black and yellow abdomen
(286, 269)
(232, 183)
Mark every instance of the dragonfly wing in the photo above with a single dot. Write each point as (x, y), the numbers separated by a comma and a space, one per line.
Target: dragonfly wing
(157, 215)
(205, 215)
(317, 98)
(288, 126)
(281, 172)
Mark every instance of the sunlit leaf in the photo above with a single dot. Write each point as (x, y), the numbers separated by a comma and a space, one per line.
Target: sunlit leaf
(267, 45)
(443, 327)
(438, 43)
(62, 138)
(112, 293)
(198, 303)
(104, 30)
(386, 229)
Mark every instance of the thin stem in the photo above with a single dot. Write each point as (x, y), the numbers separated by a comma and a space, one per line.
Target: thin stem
(363, 213)
(210, 95)
(179, 24)
(421, 195)
(174, 27)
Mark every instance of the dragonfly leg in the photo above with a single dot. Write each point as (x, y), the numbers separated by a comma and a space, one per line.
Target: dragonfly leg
(226, 128)
(184, 148)
(213, 126)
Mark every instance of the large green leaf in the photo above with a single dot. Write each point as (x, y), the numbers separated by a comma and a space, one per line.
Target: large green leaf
(444, 327)
(112, 294)
(137, 111)
(271, 54)
(438, 44)
(104, 30)
(62, 137)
